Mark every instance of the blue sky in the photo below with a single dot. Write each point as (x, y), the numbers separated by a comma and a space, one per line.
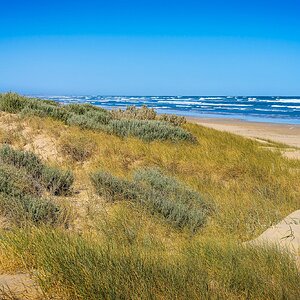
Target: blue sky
(150, 47)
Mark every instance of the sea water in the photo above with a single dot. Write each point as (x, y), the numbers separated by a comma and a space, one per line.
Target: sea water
(250, 108)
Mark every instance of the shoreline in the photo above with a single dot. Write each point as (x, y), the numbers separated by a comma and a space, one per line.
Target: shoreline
(287, 134)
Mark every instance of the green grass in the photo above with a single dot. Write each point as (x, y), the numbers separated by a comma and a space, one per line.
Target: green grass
(76, 267)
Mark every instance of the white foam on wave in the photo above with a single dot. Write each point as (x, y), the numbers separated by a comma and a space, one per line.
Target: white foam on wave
(288, 100)
(204, 103)
(211, 98)
(286, 106)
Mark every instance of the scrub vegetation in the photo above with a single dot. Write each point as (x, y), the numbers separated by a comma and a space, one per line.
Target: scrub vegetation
(141, 123)
(128, 216)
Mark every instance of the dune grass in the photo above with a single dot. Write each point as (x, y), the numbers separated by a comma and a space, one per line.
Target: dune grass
(77, 267)
(129, 250)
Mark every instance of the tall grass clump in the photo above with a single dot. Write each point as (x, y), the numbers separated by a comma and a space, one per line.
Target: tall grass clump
(140, 123)
(77, 147)
(178, 204)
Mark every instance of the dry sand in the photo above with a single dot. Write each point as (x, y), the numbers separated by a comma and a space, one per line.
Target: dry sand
(281, 133)
(285, 234)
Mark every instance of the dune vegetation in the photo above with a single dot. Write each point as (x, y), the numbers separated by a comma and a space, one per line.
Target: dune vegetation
(99, 204)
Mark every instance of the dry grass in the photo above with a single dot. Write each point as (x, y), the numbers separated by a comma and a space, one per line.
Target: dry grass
(251, 187)
(125, 252)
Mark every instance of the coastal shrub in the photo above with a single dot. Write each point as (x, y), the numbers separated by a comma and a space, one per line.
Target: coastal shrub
(172, 199)
(78, 147)
(50, 102)
(12, 102)
(173, 119)
(82, 109)
(57, 181)
(149, 130)
(145, 113)
(94, 121)
(16, 182)
(133, 112)
(23, 209)
(22, 159)
(178, 204)
(141, 122)
(113, 188)
(20, 199)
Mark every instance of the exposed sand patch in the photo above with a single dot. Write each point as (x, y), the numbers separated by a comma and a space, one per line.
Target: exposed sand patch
(285, 234)
(280, 133)
(38, 142)
(44, 147)
(19, 286)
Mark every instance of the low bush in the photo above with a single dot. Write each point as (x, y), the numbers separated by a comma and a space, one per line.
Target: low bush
(173, 119)
(145, 113)
(82, 109)
(20, 200)
(133, 112)
(25, 209)
(113, 188)
(172, 199)
(159, 193)
(22, 159)
(149, 130)
(16, 182)
(90, 120)
(56, 181)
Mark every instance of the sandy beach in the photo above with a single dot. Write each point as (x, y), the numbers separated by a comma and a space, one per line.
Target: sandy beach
(282, 133)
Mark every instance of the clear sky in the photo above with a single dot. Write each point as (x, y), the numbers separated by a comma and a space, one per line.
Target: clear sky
(150, 47)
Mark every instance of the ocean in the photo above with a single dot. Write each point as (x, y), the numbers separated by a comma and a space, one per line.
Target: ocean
(250, 108)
